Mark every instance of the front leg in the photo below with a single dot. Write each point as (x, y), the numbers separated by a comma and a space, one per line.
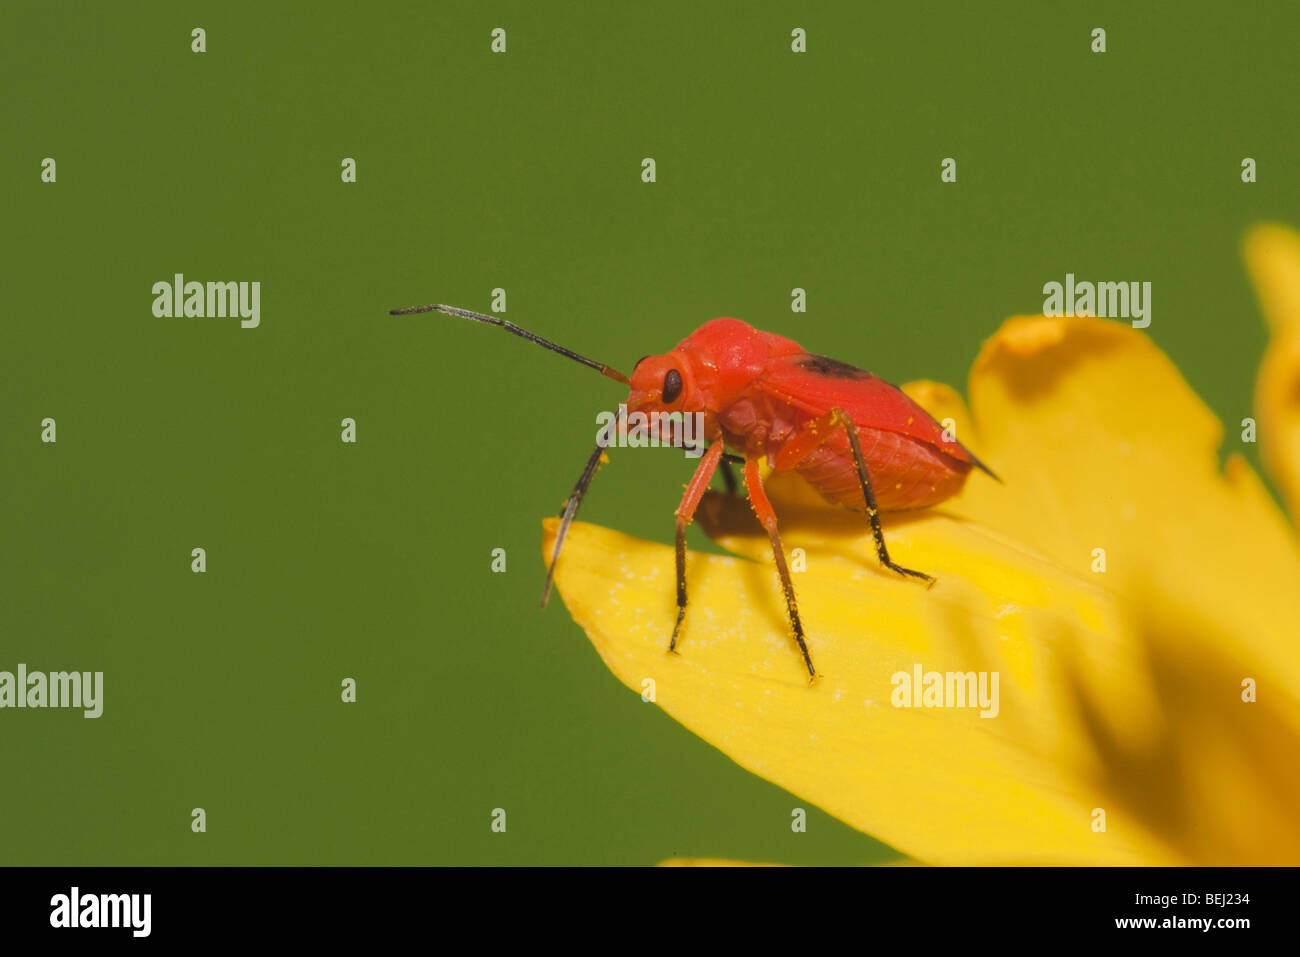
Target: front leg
(815, 433)
(685, 512)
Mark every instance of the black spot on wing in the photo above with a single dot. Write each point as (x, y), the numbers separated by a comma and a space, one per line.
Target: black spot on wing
(832, 368)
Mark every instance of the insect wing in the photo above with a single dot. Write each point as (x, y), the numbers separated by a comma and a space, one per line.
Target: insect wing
(816, 384)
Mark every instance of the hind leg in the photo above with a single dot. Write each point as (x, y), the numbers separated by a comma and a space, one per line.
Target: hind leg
(816, 433)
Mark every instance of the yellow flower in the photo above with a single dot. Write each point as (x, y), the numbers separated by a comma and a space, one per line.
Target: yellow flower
(1139, 605)
(1273, 255)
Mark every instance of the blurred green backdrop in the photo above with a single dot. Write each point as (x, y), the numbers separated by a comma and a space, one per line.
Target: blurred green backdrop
(521, 171)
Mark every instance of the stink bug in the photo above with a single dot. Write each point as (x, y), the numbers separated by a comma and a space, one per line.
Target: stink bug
(856, 439)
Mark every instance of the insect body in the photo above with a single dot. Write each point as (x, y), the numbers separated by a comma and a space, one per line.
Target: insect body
(856, 439)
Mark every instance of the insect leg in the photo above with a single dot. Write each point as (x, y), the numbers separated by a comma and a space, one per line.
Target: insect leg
(814, 434)
(869, 495)
(763, 509)
(685, 512)
(728, 476)
(566, 517)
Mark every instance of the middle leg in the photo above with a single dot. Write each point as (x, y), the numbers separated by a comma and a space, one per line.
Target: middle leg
(728, 476)
(763, 509)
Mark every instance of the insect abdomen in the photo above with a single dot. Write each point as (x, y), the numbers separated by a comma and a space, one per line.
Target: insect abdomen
(905, 472)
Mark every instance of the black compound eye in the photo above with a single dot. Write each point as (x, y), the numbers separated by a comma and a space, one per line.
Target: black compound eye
(672, 386)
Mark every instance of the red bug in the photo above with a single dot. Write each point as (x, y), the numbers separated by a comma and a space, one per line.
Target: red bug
(859, 441)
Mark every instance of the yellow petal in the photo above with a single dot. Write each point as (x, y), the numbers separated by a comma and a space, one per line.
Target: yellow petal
(942, 784)
(1273, 258)
(1102, 445)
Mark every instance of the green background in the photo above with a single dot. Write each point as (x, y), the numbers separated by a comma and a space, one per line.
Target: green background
(522, 171)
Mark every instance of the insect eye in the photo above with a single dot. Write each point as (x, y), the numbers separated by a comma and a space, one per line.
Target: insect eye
(672, 386)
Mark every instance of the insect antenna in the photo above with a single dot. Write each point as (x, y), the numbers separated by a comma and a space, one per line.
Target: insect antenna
(566, 517)
(600, 367)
